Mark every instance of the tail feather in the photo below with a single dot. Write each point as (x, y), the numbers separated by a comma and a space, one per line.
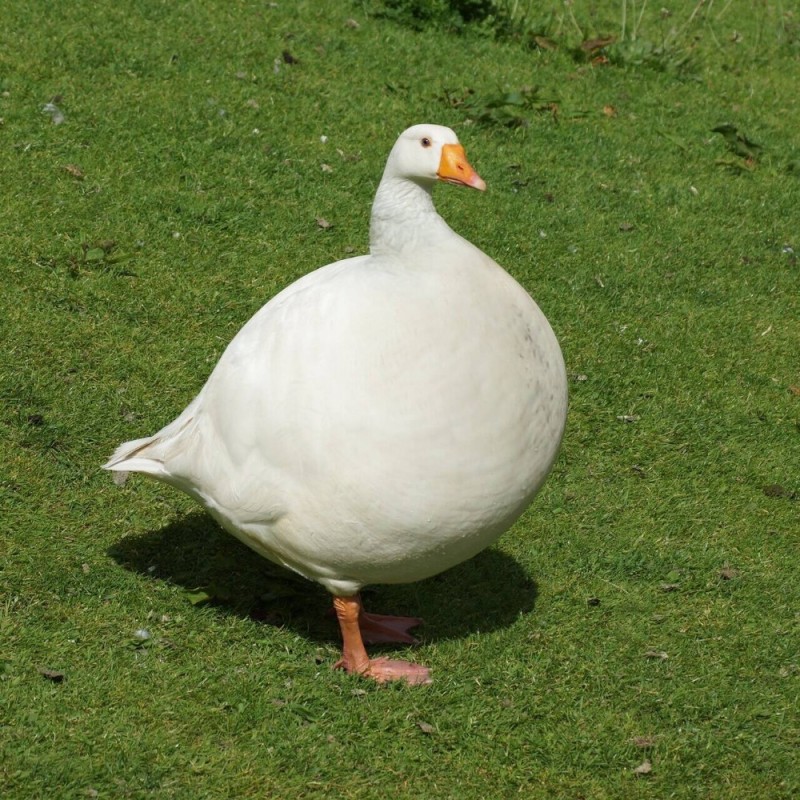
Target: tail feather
(133, 457)
(152, 454)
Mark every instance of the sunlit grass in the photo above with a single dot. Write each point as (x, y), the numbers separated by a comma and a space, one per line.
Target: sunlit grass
(644, 608)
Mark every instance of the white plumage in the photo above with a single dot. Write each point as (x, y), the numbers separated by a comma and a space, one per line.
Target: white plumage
(384, 417)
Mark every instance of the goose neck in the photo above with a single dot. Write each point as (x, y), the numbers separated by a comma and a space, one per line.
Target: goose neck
(403, 217)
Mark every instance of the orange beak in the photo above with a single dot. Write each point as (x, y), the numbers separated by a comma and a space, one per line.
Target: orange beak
(454, 168)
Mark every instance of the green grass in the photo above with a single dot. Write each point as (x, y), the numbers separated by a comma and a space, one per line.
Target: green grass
(182, 191)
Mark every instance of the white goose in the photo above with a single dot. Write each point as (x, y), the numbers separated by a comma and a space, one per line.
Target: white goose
(384, 417)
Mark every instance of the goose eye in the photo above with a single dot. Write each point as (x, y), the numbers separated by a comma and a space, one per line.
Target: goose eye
(426, 142)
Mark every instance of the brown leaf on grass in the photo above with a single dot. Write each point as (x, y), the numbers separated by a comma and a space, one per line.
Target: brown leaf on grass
(610, 111)
(543, 43)
(54, 675)
(728, 573)
(75, 171)
(553, 108)
(426, 727)
(795, 390)
(643, 742)
(323, 223)
(659, 654)
(645, 768)
(593, 45)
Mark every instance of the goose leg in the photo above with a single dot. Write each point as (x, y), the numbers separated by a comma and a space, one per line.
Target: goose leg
(354, 655)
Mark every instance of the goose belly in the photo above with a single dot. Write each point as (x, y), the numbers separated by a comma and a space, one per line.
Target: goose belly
(402, 437)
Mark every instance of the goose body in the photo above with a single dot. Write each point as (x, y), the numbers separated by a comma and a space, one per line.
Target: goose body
(384, 417)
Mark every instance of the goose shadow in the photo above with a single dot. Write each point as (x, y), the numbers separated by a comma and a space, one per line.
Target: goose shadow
(486, 593)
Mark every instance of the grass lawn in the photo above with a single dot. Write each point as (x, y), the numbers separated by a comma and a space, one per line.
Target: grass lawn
(637, 633)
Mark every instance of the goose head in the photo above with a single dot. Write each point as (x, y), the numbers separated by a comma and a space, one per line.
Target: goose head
(427, 153)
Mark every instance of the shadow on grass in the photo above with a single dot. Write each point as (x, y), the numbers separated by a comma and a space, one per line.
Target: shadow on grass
(483, 594)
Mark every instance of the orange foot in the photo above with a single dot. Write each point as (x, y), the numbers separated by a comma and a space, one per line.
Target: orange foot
(383, 670)
(354, 622)
(381, 628)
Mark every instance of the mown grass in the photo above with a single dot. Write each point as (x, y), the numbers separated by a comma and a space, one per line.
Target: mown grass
(644, 608)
